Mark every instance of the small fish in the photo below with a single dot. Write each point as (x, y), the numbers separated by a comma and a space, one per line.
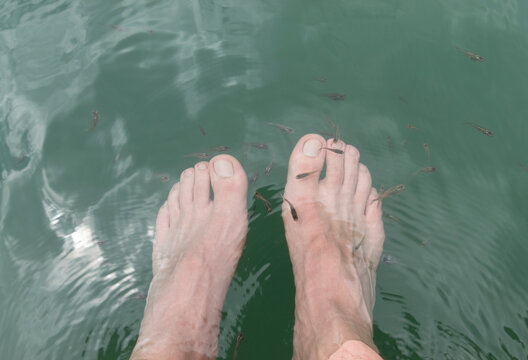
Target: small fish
(389, 259)
(337, 151)
(356, 248)
(471, 55)
(120, 154)
(427, 169)
(21, 159)
(481, 129)
(335, 128)
(95, 120)
(266, 202)
(321, 79)
(391, 218)
(335, 96)
(253, 178)
(119, 28)
(412, 127)
(293, 211)
(163, 177)
(257, 145)
(199, 155)
(220, 148)
(306, 174)
(423, 243)
(239, 339)
(201, 130)
(389, 143)
(427, 150)
(281, 127)
(251, 214)
(115, 27)
(404, 142)
(402, 99)
(140, 296)
(268, 168)
(524, 167)
(393, 190)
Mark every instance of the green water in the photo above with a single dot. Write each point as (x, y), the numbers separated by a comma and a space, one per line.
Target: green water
(77, 208)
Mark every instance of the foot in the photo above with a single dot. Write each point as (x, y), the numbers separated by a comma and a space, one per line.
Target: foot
(335, 244)
(197, 246)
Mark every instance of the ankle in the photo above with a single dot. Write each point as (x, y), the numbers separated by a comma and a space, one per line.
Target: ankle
(185, 335)
(329, 334)
(182, 317)
(167, 353)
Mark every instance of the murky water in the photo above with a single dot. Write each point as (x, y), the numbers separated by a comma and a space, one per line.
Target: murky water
(77, 207)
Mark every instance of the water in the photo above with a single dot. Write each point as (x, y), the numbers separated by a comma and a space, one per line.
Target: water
(78, 208)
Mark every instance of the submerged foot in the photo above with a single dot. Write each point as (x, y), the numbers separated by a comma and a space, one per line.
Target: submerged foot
(335, 241)
(197, 246)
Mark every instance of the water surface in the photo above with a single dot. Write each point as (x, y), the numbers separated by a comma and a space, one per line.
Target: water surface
(77, 207)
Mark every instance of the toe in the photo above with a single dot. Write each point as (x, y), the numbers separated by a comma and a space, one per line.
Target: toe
(373, 210)
(335, 164)
(163, 220)
(186, 188)
(306, 159)
(202, 184)
(350, 179)
(375, 234)
(173, 202)
(162, 228)
(229, 183)
(364, 183)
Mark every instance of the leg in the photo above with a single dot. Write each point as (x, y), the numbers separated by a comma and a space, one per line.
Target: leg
(197, 246)
(335, 246)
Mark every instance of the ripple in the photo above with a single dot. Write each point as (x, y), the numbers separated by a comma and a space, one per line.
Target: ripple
(77, 213)
(240, 293)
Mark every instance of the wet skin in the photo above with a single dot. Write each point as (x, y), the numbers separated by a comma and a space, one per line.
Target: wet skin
(335, 242)
(334, 235)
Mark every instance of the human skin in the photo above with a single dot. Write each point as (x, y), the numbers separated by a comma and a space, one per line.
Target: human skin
(335, 245)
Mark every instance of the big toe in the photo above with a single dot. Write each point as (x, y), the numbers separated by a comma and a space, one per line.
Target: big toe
(304, 169)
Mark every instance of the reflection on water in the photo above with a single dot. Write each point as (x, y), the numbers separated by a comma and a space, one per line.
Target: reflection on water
(77, 207)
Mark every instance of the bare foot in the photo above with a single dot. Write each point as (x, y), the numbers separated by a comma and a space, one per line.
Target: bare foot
(335, 246)
(197, 246)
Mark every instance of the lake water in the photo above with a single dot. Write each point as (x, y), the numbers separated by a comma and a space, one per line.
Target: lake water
(77, 207)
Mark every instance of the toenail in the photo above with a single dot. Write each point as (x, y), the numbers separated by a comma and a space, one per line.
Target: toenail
(336, 145)
(223, 168)
(353, 151)
(312, 147)
(188, 172)
(201, 166)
